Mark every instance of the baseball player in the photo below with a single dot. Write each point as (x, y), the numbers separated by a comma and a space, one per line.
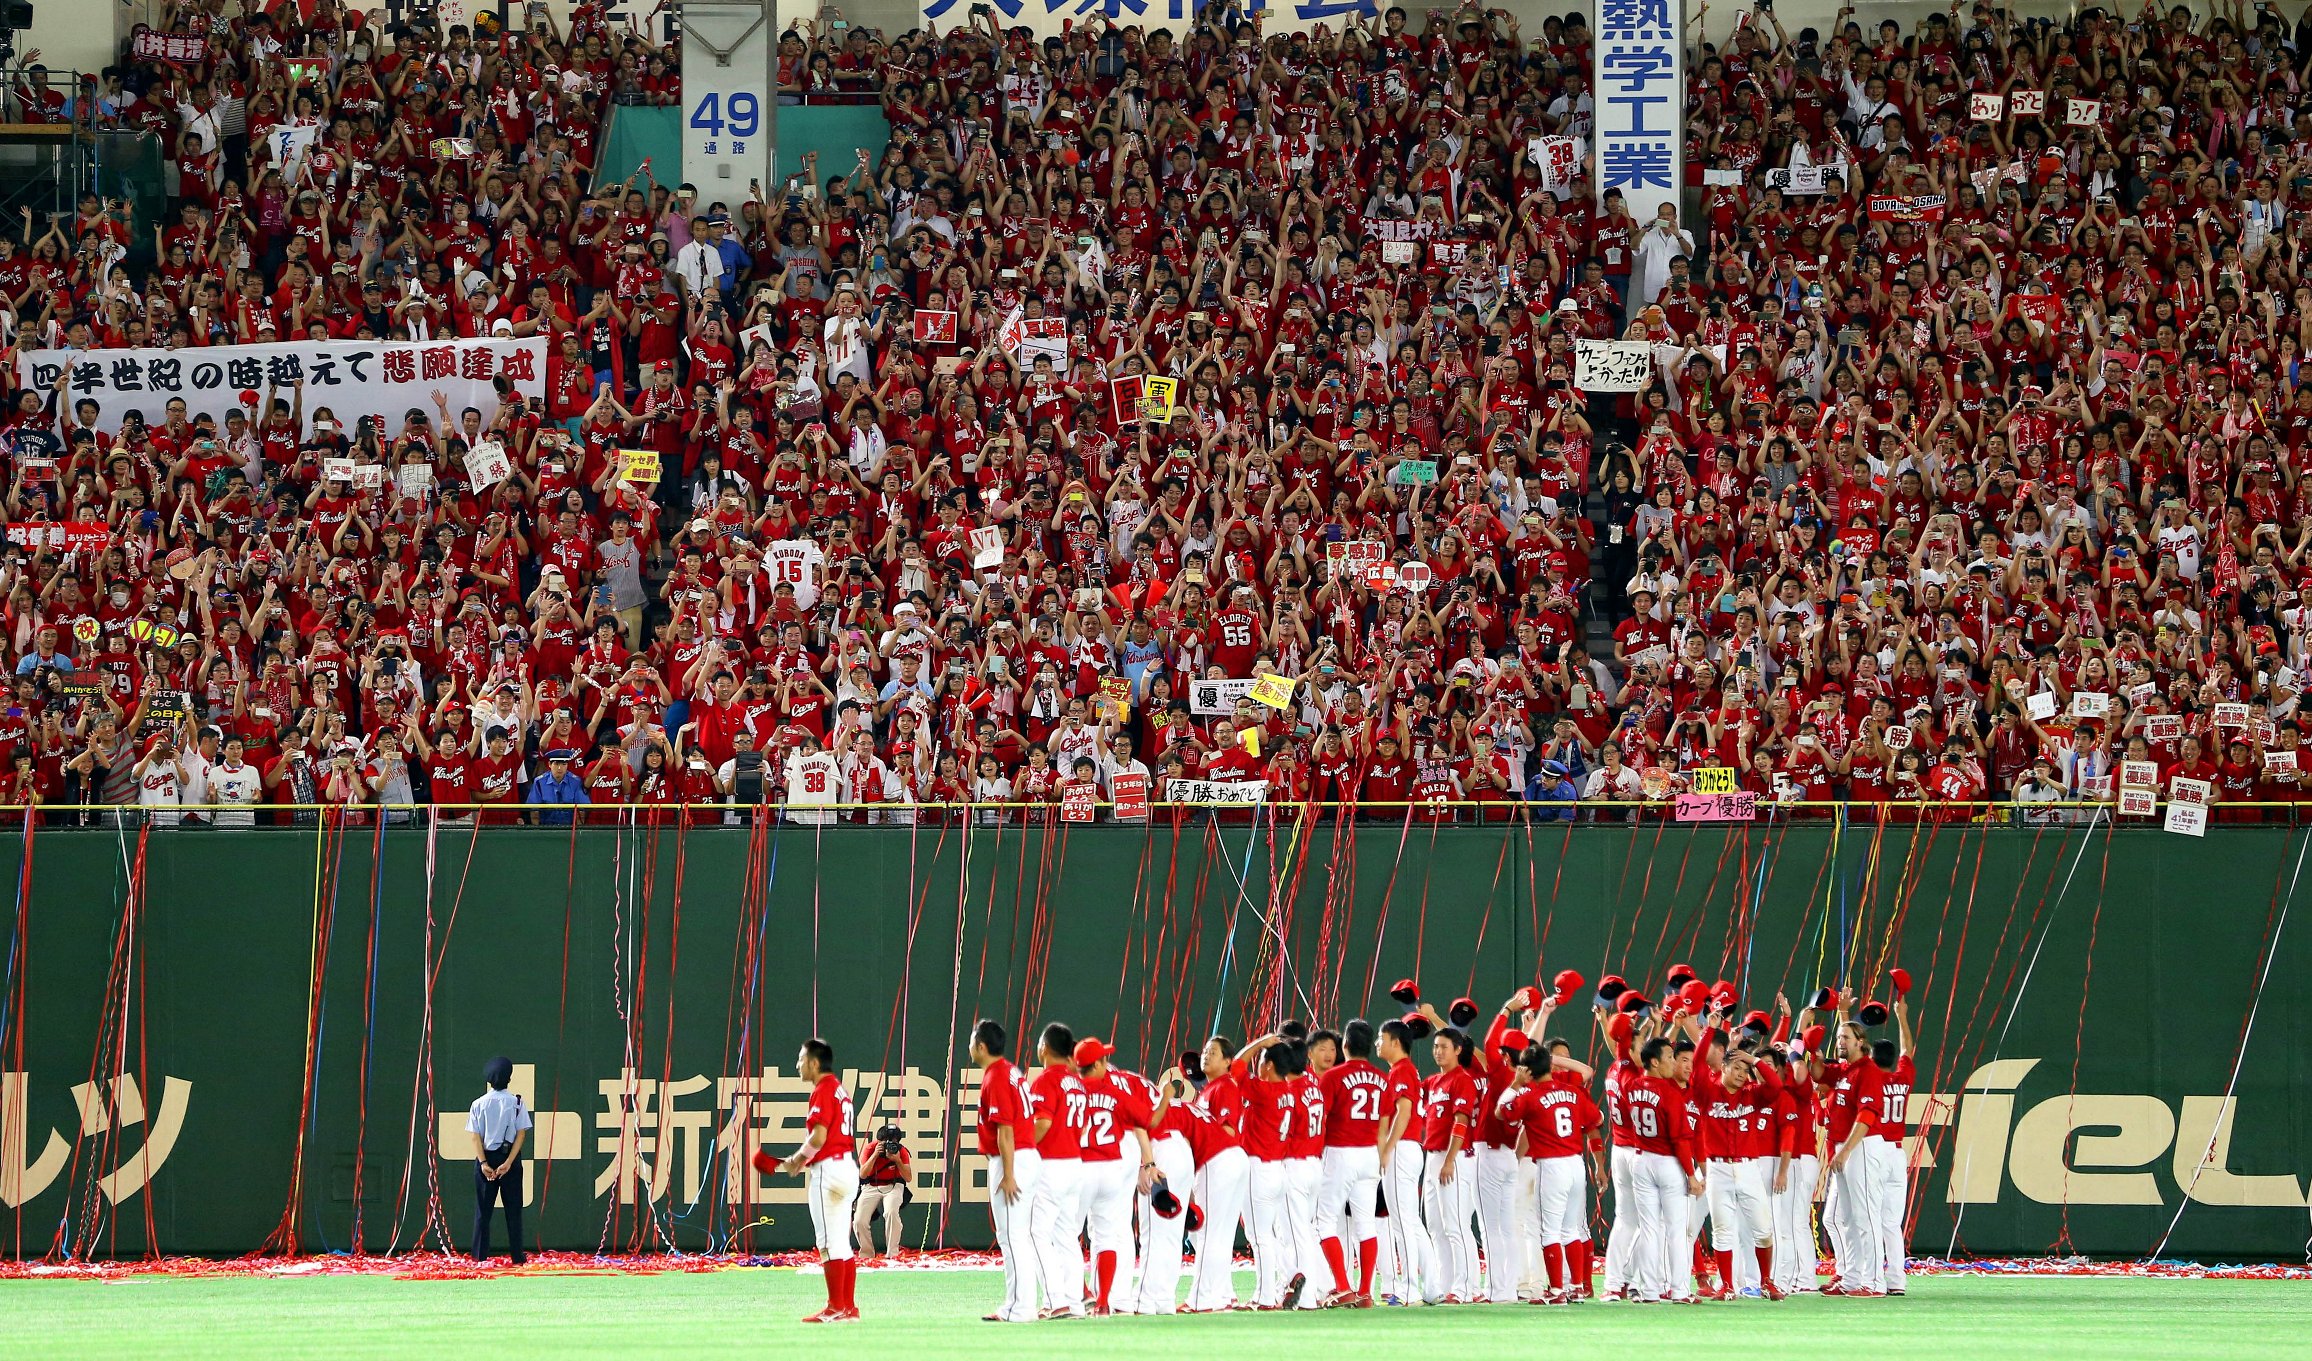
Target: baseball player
(1890, 1170)
(1734, 1095)
(1055, 1214)
(1115, 1112)
(1007, 1139)
(1554, 1116)
(1222, 1170)
(1349, 1169)
(830, 1178)
(1403, 1160)
(1853, 1089)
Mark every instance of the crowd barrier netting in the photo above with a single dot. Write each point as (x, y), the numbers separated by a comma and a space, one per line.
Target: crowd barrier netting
(226, 1043)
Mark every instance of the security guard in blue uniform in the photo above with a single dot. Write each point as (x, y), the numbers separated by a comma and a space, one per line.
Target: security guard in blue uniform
(559, 789)
(499, 1124)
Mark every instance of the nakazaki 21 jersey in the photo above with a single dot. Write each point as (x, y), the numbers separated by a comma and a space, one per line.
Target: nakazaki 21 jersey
(1354, 1093)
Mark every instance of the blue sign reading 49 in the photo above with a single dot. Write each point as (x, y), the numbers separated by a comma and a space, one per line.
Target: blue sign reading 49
(737, 114)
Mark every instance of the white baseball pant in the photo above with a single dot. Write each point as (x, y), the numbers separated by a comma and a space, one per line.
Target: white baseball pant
(832, 1186)
(1532, 1280)
(1412, 1273)
(1738, 1202)
(1497, 1216)
(1856, 1205)
(1302, 1178)
(1269, 1189)
(1622, 1234)
(1890, 1178)
(1110, 1185)
(1022, 1269)
(1448, 1206)
(1220, 1189)
(1658, 1190)
(1159, 1268)
(1055, 1217)
(1795, 1259)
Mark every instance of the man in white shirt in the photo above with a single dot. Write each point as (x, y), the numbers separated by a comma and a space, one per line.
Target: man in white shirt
(699, 265)
(232, 781)
(198, 762)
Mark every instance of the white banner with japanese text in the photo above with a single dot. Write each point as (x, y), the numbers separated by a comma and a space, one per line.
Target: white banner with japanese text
(350, 378)
(1051, 18)
(1638, 75)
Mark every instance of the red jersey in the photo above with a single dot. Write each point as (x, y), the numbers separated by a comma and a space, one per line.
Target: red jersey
(1057, 1094)
(1619, 1079)
(1895, 1100)
(1735, 1124)
(1003, 1101)
(1110, 1108)
(830, 1111)
(1307, 1139)
(1354, 1094)
(1795, 1115)
(1449, 1108)
(1219, 1126)
(1853, 1091)
(1492, 1084)
(1556, 1115)
(1661, 1119)
(1272, 1115)
(1176, 1118)
(1404, 1084)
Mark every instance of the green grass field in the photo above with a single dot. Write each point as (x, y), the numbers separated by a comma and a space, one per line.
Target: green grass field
(912, 1314)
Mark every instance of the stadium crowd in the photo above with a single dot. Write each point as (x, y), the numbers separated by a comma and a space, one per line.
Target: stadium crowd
(1969, 497)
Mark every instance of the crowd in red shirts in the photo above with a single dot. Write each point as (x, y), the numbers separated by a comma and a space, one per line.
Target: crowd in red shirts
(1967, 469)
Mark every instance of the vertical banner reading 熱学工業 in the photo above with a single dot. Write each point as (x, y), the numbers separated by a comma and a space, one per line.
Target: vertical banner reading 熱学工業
(1638, 87)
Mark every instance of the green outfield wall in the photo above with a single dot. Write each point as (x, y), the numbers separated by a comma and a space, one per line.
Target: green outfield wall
(218, 1041)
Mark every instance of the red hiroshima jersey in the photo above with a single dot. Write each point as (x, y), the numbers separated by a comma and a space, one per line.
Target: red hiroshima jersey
(1450, 1108)
(1354, 1092)
(831, 1111)
(1557, 1116)
(1895, 1100)
(1112, 1107)
(1735, 1123)
(1405, 1085)
(1851, 1092)
(1057, 1095)
(1619, 1079)
(1272, 1116)
(1219, 1124)
(1307, 1139)
(1661, 1119)
(1003, 1102)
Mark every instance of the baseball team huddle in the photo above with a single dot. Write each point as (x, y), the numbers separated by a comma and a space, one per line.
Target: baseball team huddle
(1358, 1179)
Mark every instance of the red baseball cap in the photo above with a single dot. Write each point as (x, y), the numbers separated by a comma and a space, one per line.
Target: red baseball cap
(1089, 1052)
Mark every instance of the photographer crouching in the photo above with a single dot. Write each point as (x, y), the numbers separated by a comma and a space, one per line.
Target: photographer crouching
(886, 1185)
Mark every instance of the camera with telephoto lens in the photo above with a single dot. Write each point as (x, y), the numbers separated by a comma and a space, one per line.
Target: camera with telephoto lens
(888, 1139)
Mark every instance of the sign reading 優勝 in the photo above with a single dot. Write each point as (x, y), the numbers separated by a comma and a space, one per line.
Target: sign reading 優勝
(2097, 1098)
